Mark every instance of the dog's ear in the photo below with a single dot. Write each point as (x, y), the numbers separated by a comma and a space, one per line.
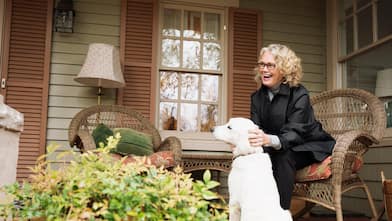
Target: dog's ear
(243, 139)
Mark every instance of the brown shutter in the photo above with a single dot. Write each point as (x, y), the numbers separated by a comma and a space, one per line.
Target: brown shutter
(244, 46)
(138, 46)
(26, 68)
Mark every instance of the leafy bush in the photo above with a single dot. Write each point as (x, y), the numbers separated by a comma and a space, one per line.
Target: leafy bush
(95, 186)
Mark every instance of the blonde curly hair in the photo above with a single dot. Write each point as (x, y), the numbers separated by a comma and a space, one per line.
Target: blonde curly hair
(286, 61)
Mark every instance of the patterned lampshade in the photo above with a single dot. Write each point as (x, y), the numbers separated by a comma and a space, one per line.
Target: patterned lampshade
(102, 67)
(384, 83)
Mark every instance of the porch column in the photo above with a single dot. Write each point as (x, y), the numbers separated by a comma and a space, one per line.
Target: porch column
(11, 125)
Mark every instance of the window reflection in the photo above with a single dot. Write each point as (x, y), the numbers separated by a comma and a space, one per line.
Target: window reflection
(190, 69)
(170, 53)
(192, 23)
(188, 117)
(168, 116)
(190, 87)
(172, 22)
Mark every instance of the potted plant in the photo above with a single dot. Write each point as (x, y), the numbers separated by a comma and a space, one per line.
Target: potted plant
(95, 186)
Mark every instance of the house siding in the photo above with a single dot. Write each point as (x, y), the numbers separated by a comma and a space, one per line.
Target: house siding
(96, 21)
(300, 25)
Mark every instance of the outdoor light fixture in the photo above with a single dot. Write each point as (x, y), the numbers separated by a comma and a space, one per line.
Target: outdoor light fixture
(64, 16)
(101, 68)
(384, 91)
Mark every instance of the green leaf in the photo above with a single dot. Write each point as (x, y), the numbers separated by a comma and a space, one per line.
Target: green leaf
(207, 176)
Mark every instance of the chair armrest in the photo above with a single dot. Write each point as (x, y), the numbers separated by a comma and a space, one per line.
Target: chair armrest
(342, 147)
(83, 140)
(172, 144)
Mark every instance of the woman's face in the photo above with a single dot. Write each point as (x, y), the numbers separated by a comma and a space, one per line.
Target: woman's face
(271, 77)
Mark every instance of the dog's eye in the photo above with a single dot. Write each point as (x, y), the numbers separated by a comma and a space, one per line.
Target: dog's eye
(229, 127)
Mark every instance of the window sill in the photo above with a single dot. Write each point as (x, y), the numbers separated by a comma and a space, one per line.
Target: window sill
(202, 141)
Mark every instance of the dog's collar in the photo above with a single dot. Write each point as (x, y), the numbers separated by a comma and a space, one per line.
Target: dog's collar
(257, 150)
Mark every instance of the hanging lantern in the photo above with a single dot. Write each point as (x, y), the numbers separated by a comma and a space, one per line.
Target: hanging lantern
(64, 16)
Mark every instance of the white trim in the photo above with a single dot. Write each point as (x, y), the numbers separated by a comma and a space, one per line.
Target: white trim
(2, 21)
(199, 140)
(203, 3)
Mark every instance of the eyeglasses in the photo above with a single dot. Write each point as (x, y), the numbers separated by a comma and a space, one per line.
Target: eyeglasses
(270, 66)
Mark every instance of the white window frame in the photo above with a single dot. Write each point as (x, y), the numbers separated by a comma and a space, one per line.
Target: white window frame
(339, 62)
(200, 141)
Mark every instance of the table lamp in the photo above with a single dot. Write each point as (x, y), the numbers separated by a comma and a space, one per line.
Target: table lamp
(384, 91)
(101, 68)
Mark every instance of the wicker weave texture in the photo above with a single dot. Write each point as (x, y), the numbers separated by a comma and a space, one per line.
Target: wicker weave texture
(116, 116)
(356, 119)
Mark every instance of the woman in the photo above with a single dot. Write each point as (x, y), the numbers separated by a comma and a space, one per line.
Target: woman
(281, 108)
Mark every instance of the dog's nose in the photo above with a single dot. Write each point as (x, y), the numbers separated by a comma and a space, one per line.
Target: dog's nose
(212, 130)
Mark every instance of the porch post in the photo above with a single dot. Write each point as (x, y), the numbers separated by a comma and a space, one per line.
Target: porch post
(11, 126)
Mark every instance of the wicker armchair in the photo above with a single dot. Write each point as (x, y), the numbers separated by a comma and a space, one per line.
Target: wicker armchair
(356, 119)
(115, 116)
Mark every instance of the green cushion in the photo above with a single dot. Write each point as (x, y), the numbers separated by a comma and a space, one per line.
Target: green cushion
(133, 142)
(101, 133)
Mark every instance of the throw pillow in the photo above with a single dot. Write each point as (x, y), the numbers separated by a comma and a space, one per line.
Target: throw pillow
(133, 142)
(101, 133)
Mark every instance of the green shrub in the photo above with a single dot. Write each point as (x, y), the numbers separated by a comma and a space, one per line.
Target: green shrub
(95, 186)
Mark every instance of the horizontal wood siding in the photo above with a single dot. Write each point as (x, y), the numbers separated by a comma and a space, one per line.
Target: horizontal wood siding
(137, 51)
(96, 21)
(27, 75)
(301, 25)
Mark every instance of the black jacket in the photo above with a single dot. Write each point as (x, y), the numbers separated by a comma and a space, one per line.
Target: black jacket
(290, 116)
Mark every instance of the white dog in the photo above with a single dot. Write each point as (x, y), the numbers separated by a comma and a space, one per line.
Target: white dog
(253, 192)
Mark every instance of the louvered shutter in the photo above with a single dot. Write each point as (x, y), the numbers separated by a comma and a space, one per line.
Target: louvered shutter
(244, 46)
(138, 45)
(26, 68)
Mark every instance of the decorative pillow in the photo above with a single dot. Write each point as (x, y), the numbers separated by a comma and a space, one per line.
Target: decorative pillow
(101, 133)
(133, 142)
(357, 164)
(316, 171)
(162, 158)
(322, 170)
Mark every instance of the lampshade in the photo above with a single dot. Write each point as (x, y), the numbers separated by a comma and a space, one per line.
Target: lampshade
(384, 83)
(101, 67)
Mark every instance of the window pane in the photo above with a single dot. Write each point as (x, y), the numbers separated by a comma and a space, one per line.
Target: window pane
(209, 117)
(188, 117)
(192, 24)
(346, 36)
(168, 116)
(384, 18)
(362, 3)
(365, 32)
(211, 26)
(209, 88)
(169, 85)
(170, 53)
(190, 87)
(367, 71)
(347, 7)
(171, 22)
(191, 55)
(212, 56)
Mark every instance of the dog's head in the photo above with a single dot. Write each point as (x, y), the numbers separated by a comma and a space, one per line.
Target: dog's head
(236, 132)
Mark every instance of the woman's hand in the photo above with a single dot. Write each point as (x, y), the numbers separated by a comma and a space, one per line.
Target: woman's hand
(258, 138)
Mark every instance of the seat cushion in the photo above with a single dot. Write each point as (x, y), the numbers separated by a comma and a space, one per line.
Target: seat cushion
(316, 171)
(133, 142)
(322, 170)
(100, 134)
(162, 158)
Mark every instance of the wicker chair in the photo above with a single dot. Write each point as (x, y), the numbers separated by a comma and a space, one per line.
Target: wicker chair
(115, 116)
(356, 119)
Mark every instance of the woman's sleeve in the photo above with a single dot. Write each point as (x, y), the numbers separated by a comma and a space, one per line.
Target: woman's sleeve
(300, 122)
